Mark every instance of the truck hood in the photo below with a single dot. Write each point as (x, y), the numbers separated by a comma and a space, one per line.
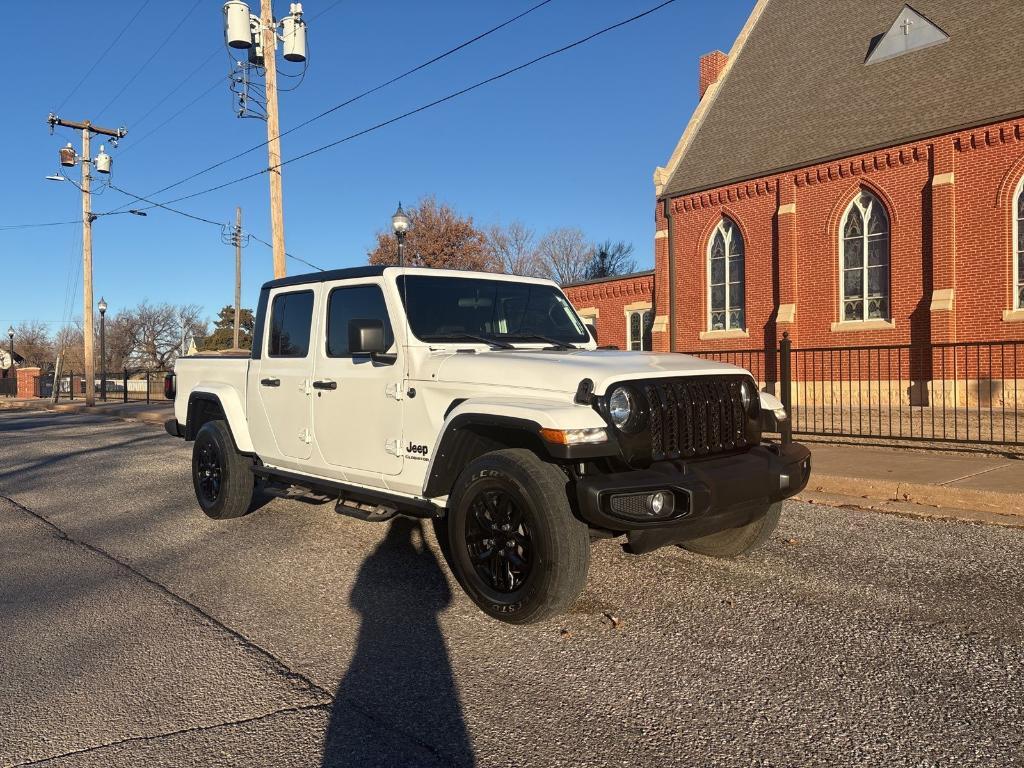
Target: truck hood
(562, 371)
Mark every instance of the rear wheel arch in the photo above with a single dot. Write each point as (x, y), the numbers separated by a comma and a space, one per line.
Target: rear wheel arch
(202, 408)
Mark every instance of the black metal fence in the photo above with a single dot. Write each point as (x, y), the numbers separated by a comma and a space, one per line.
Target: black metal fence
(9, 386)
(965, 392)
(127, 386)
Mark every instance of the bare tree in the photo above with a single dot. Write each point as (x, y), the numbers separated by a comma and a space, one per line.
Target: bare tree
(513, 250)
(32, 342)
(565, 254)
(610, 259)
(438, 237)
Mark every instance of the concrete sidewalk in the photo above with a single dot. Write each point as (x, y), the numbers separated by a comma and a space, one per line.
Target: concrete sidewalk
(938, 484)
(154, 412)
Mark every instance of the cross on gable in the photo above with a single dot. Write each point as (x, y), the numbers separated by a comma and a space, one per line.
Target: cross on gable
(906, 25)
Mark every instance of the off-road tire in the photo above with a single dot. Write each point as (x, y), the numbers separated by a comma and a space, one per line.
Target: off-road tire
(734, 542)
(559, 543)
(234, 492)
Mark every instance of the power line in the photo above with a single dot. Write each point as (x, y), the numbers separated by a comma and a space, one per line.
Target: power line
(170, 119)
(166, 96)
(208, 221)
(429, 105)
(155, 204)
(289, 255)
(103, 55)
(139, 70)
(356, 98)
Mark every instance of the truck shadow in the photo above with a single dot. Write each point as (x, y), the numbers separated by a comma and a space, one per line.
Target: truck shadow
(398, 704)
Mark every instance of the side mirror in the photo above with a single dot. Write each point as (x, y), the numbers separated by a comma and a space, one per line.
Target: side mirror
(366, 337)
(593, 331)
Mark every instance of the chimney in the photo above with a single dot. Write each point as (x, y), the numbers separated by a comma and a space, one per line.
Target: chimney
(711, 66)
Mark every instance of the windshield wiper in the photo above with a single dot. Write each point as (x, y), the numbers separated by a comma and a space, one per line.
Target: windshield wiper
(555, 343)
(495, 343)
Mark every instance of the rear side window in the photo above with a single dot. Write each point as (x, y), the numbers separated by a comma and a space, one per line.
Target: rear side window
(291, 315)
(360, 302)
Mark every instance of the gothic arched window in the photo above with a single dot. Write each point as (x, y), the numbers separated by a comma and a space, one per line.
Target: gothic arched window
(864, 260)
(725, 278)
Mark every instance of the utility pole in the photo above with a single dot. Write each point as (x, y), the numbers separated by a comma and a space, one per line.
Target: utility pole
(269, 30)
(238, 272)
(258, 35)
(103, 166)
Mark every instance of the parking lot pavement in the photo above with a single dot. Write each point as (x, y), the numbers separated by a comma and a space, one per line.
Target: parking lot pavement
(137, 632)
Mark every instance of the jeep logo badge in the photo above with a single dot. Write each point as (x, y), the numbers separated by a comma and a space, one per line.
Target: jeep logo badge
(417, 449)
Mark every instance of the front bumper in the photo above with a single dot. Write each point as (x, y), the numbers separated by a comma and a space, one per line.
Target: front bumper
(709, 496)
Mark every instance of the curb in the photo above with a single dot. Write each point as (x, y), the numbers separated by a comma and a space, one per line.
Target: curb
(933, 502)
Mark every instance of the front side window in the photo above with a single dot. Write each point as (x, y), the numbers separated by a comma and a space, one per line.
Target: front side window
(725, 278)
(291, 315)
(864, 260)
(456, 308)
(640, 330)
(1018, 271)
(358, 302)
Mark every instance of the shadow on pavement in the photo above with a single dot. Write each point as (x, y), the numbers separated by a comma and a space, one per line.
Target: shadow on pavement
(397, 703)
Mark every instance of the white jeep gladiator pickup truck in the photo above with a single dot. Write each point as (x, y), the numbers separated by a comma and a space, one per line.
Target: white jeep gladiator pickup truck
(482, 402)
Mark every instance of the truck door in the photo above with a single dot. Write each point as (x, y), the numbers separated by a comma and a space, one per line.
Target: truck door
(357, 409)
(285, 370)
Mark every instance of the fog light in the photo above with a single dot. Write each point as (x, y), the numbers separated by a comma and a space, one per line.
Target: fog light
(644, 506)
(657, 501)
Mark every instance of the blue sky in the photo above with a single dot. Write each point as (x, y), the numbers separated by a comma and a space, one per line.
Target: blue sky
(571, 141)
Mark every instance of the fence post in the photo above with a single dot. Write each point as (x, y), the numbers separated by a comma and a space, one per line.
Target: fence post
(786, 387)
(124, 391)
(147, 387)
(71, 384)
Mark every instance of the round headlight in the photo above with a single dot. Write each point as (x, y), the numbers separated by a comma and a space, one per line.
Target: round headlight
(621, 407)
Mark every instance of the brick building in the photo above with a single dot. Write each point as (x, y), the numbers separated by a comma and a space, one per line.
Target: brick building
(619, 308)
(852, 176)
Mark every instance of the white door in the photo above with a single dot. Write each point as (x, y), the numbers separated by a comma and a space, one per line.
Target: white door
(285, 369)
(357, 401)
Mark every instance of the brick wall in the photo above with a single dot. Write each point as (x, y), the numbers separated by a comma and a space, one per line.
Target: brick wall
(608, 299)
(949, 201)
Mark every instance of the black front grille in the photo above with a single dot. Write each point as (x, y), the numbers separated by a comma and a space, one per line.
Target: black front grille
(696, 416)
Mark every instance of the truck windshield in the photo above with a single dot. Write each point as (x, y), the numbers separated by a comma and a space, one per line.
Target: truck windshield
(456, 308)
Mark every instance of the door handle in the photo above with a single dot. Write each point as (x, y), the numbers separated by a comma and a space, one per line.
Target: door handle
(325, 384)
(270, 382)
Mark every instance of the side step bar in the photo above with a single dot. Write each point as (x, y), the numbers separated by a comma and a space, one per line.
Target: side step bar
(356, 501)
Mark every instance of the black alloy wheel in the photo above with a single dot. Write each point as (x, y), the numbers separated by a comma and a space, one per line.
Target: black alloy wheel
(499, 540)
(209, 470)
(512, 540)
(221, 476)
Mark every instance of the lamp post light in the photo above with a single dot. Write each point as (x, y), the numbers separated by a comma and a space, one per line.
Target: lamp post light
(103, 349)
(10, 335)
(400, 226)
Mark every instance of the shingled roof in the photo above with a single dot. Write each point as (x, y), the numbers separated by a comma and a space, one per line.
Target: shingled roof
(799, 91)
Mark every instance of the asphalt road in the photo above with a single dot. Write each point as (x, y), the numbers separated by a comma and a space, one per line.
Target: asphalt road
(134, 631)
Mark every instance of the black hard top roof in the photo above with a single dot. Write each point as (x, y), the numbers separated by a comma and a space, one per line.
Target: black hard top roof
(322, 277)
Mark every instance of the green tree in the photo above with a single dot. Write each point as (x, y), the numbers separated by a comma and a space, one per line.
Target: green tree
(223, 336)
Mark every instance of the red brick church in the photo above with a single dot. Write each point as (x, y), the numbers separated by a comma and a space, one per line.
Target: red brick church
(852, 176)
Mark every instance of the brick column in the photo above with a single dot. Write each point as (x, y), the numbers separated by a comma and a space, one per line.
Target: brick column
(28, 382)
(659, 331)
(943, 243)
(785, 219)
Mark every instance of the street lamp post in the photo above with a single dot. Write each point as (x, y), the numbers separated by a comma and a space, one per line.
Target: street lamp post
(400, 226)
(103, 349)
(10, 335)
